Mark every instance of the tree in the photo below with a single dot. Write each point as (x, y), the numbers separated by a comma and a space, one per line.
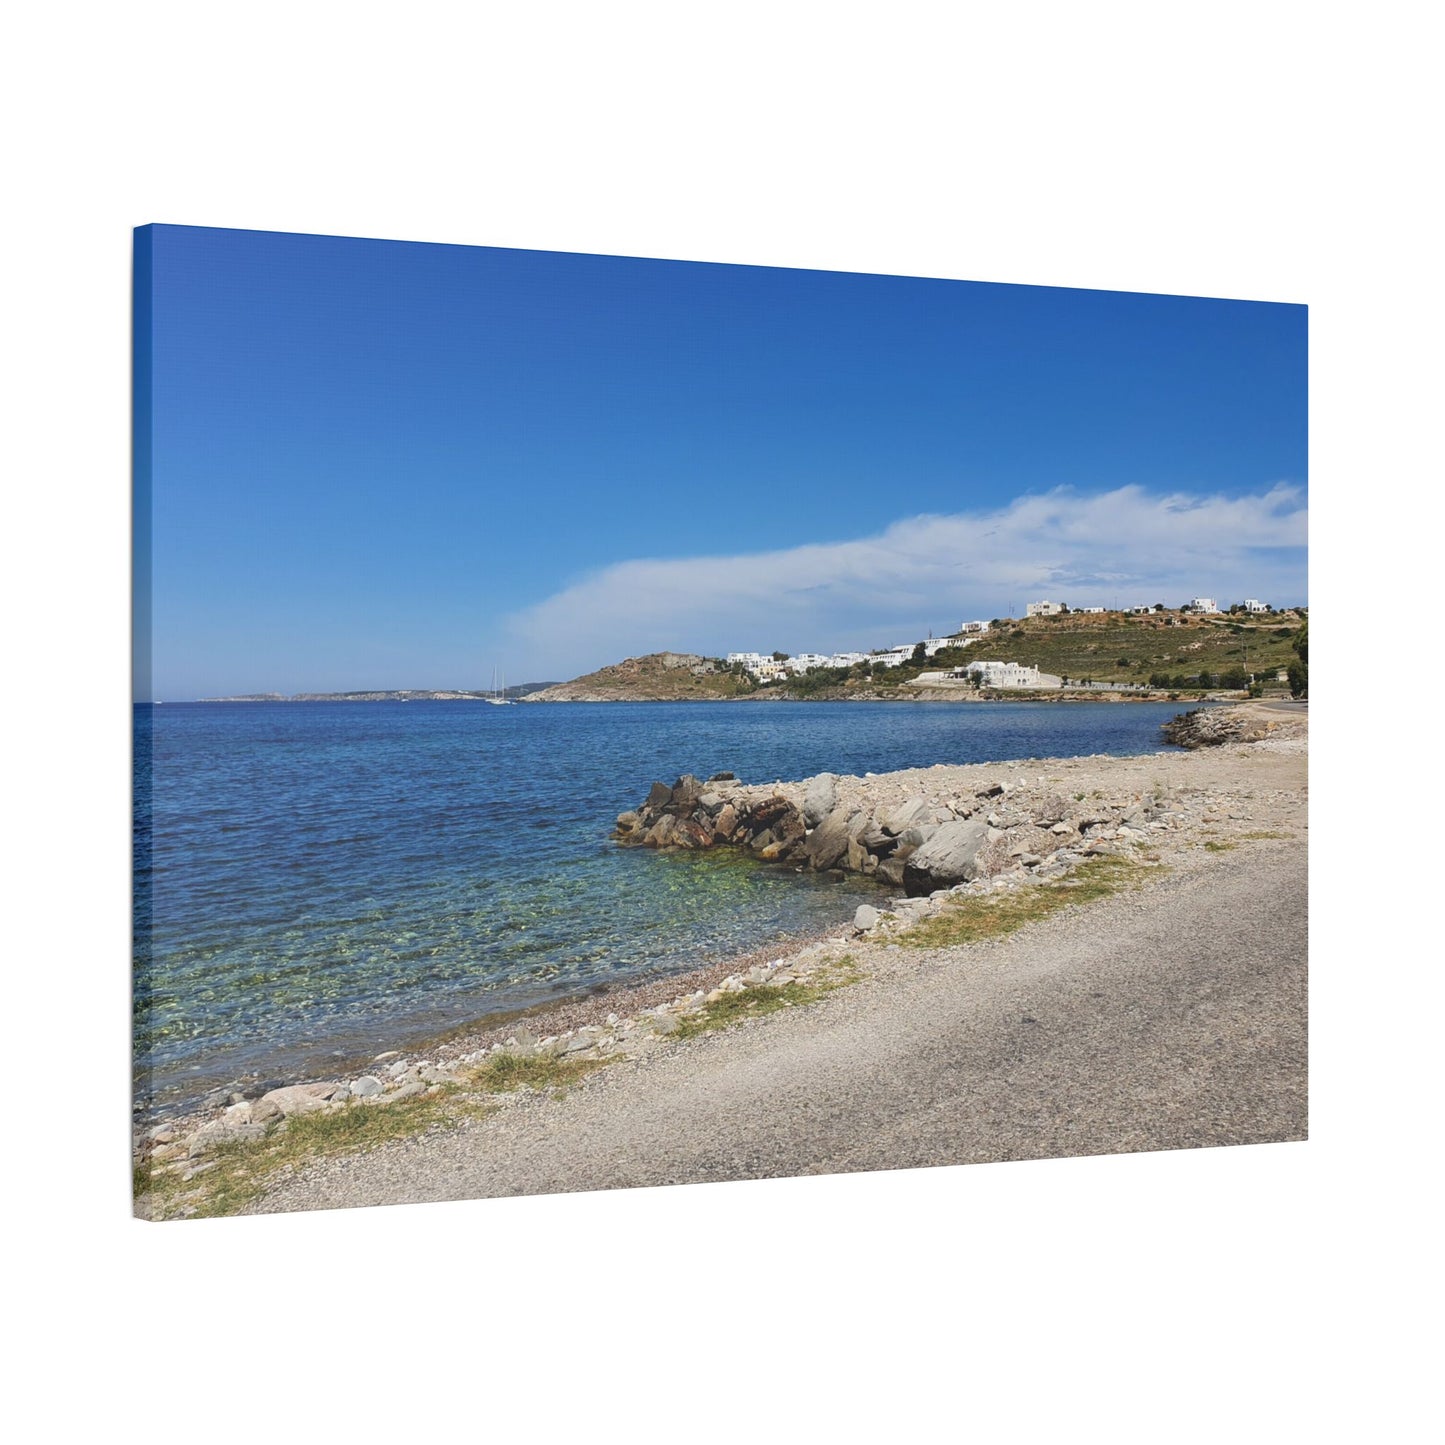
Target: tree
(1299, 671)
(780, 657)
(920, 655)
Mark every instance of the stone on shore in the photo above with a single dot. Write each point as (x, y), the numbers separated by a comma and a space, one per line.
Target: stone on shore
(820, 799)
(827, 844)
(299, 1098)
(866, 917)
(950, 856)
(914, 810)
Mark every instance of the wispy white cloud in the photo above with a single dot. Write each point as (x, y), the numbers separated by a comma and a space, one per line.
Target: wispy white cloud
(928, 572)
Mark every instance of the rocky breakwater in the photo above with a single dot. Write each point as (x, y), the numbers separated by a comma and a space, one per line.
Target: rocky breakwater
(920, 831)
(1212, 727)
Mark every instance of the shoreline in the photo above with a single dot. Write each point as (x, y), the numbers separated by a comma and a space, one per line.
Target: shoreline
(625, 1019)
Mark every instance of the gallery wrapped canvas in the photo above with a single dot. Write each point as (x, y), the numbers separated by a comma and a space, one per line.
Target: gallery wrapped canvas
(604, 722)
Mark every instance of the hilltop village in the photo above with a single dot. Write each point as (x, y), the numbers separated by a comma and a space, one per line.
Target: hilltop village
(1053, 650)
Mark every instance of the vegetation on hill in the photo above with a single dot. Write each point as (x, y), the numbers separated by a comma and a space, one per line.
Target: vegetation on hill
(1163, 650)
(1166, 651)
(658, 677)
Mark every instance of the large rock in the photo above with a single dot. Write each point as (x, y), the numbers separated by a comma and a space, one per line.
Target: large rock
(827, 844)
(726, 823)
(221, 1131)
(915, 810)
(950, 856)
(685, 793)
(777, 816)
(820, 799)
(915, 835)
(890, 870)
(659, 795)
(690, 834)
(660, 834)
(299, 1098)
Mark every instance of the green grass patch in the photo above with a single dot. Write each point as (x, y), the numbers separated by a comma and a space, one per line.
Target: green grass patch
(243, 1169)
(1264, 834)
(970, 920)
(502, 1073)
(1213, 847)
(760, 999)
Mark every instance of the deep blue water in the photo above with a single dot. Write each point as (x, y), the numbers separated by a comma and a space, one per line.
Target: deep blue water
(316, 879)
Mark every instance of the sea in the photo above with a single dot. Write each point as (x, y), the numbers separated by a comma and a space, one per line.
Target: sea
(316, 882)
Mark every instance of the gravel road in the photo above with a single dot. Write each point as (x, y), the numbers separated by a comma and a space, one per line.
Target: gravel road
(1170, 1016)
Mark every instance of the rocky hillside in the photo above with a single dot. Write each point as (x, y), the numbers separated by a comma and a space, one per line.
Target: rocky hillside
(658, 677)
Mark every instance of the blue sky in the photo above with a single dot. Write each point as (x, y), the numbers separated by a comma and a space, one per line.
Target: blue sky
(388, 464)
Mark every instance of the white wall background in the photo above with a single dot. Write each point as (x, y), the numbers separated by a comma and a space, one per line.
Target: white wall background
(1265, 150)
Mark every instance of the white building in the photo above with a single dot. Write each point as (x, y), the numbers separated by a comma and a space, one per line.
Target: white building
(1253, 604)
(894, 657)
(969, 629)
(847, 659)
(807, 661)
(1091, 609)
(1008, 674)
(1043, 609)
(1202, 604)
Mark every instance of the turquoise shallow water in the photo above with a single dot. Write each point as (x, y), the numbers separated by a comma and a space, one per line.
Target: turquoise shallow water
(321, 879)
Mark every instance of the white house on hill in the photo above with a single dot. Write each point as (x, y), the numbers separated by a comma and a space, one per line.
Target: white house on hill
(1009, 674)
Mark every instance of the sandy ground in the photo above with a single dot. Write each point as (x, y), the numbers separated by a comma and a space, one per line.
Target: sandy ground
(1172, 1015)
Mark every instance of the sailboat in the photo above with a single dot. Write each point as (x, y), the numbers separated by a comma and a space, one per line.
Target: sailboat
(498, 699)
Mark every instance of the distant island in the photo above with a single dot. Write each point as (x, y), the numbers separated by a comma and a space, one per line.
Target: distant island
(396, 695)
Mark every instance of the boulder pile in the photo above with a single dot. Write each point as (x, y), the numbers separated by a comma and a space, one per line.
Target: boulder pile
(919, 843)
(1211, 727)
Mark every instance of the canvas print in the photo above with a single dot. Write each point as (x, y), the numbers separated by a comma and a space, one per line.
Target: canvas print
(606, 722)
